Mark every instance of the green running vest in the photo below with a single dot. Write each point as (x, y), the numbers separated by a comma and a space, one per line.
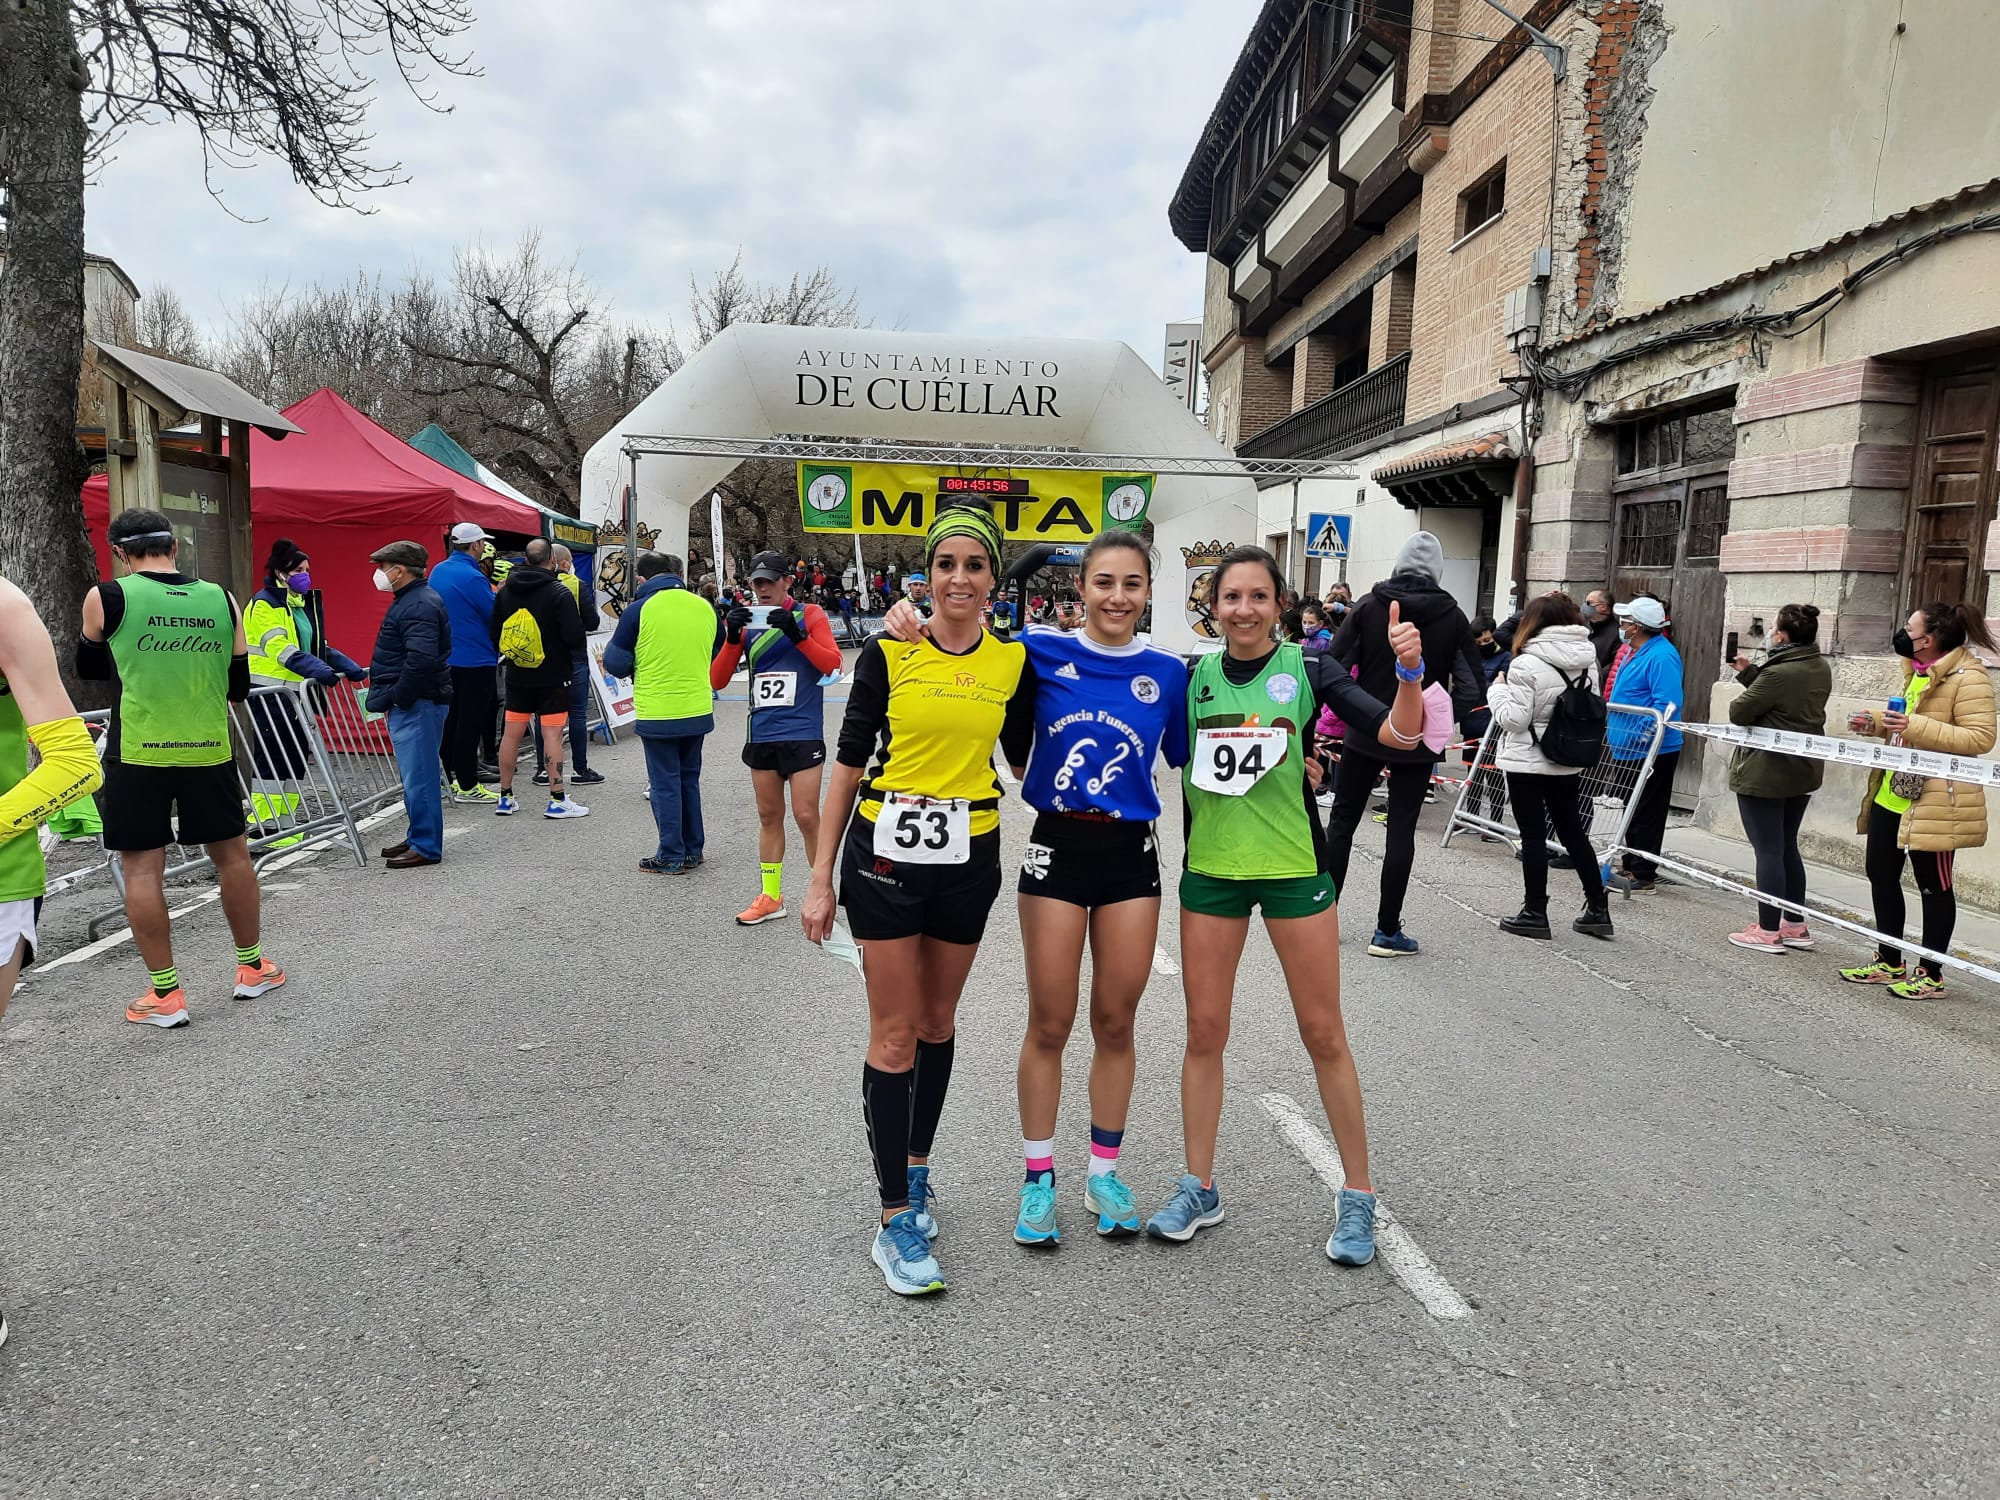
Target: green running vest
(23, 876)
(172, 650)
(1265, 833)
(670, 672)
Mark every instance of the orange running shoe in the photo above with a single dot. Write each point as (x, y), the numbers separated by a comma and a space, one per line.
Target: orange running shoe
(150, 1009)
(763, 909)
(256, 979)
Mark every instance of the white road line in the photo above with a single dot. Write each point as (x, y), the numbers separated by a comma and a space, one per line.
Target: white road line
(1399, 1252)
(1162, 964)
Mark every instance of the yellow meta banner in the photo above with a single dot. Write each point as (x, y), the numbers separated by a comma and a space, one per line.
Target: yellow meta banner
(1031, 505)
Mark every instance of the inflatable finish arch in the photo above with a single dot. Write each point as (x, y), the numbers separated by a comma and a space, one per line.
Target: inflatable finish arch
(757, 381)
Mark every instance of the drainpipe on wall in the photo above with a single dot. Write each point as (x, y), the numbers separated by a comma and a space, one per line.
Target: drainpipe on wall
(1524, 496)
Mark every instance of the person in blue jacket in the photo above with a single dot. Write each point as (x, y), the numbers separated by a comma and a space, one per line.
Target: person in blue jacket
(468, 599)
(1652, 677)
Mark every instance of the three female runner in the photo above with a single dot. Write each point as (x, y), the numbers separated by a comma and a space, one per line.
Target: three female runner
(919, 863)
(1252, 842)
(1106, 704)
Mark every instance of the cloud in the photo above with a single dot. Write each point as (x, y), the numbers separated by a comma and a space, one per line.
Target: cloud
(982, 168)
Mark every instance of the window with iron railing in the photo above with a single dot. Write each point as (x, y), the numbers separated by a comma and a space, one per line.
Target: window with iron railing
(1364, 408)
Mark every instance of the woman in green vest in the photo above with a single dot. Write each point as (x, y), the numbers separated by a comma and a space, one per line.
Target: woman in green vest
(286, 629)
(1254, 841)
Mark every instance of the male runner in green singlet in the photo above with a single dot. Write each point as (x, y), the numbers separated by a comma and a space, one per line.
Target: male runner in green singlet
(175, 645)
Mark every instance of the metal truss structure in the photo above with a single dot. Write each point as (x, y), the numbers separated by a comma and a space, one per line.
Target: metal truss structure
(974, 456)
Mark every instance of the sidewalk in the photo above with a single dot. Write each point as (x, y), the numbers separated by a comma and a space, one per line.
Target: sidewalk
(1843, 893)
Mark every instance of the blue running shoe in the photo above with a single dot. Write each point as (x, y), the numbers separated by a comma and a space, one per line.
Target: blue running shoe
(1192, 1207)
(905, 1257)
(920, 1201)
(1107, 1197)
(506, 806)
(1037, 1223)
(1353, 1241)
(1392, 945)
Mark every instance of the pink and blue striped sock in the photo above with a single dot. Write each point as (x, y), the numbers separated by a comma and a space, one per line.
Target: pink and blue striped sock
(1104, 1146)
(1041, 1157)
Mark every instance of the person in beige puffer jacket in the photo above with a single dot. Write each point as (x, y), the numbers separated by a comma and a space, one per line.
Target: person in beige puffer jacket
(1552, 653)
(1949, 709)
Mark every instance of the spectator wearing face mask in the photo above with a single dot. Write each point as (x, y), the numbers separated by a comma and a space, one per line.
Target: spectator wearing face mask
(1603, 626)
(1648, 675)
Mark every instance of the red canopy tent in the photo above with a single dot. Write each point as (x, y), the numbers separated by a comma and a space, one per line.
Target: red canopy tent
(341, 488)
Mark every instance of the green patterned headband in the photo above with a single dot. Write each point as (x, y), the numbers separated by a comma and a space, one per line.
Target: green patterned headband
(964, 520)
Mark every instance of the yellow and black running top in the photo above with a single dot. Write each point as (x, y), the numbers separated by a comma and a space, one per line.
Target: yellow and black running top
(930, 719)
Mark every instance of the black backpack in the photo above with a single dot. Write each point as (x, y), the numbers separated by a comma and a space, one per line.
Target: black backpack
(1574, 735)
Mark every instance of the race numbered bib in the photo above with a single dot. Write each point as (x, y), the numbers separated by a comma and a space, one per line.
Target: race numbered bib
(924, 830)
(1228, 762)
(774, 690)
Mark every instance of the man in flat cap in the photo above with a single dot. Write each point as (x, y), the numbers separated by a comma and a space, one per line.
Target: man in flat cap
(409, 681)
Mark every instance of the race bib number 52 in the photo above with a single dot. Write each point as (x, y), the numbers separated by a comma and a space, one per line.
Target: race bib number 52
(924, 830)
(1228, 762)
(774, 690)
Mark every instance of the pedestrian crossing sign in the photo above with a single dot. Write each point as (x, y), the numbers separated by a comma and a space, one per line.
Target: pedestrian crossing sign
(1326, 535)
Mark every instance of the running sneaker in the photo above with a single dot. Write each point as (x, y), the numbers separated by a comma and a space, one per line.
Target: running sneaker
(1921, 986)
(1627, 884)
(905, 1257)
(540, 778)
(653, 866)
(1392, 945)
(565, 807)
(166, 1010)
(1796, 935)
(1107, 1196)
(506, 807)
(586, 777)
(1192, 1207)
(478, 794)
(1037, 1222)
(1757, 939)
(763, 909)
(1353, 1240)
(1875, 973)
(692, 862)
(257, 979)
(921, 1198)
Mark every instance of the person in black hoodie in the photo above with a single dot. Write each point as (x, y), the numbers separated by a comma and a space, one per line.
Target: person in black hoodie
(540, 653)
(1450, 659)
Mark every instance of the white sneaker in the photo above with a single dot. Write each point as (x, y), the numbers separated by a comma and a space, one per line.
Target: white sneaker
(565, 807)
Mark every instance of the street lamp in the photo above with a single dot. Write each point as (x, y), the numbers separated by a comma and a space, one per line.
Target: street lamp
(1545, 44)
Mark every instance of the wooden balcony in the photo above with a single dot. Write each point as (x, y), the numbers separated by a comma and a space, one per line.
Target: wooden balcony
(1369, 407)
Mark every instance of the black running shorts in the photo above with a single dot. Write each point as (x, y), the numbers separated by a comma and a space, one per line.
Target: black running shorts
(786, 757)
(887, 899)
(143, 805)
(531, 700)
(1090, 863)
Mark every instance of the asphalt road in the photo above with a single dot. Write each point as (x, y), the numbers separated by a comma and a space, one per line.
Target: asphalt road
(540, 1178)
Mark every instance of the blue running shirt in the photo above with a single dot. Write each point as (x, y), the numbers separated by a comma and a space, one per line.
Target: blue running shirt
(1101, 714)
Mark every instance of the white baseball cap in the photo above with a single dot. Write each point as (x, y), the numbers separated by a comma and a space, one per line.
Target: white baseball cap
(470, 531)
(1643, 611)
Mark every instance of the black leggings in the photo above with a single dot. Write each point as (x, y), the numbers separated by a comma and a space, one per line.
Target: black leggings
(1772, 826)
(1885, 882)
(1551, 801)
(1407, 784)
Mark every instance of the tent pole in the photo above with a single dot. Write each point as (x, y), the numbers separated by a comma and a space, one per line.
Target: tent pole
(632, 534)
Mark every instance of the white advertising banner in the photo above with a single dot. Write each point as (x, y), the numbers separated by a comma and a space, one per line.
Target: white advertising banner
(614, 693)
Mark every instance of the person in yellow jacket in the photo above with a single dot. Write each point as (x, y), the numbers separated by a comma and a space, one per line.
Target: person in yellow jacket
(286, 630)
(664, 643)
(34, 710)
(1946, 706)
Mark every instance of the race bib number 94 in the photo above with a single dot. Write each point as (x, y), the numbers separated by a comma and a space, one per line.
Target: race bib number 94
(1228, 762)
(774, 690)
(924, 830)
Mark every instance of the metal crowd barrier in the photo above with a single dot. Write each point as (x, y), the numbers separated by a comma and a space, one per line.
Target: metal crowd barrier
(309, 762)
(1611, 787)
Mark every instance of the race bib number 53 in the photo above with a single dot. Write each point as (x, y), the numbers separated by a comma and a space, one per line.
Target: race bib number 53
(1228, 762)
(924, 830)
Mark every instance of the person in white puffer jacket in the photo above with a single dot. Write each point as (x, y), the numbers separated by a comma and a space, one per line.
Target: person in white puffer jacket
(1552, 653)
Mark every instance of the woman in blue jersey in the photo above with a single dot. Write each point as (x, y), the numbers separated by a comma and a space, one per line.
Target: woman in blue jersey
(1254, 842)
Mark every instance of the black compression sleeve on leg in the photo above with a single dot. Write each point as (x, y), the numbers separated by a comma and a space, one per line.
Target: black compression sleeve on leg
(933, 1078)
(885, 1109)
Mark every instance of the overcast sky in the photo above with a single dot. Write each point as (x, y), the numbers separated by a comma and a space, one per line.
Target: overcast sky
(980, 167)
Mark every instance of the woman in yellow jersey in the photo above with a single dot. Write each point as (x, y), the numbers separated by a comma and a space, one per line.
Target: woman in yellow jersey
(920, 862)
(1253, 841)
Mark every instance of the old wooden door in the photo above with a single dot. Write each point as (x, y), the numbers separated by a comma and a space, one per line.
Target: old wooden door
(1952, 492)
